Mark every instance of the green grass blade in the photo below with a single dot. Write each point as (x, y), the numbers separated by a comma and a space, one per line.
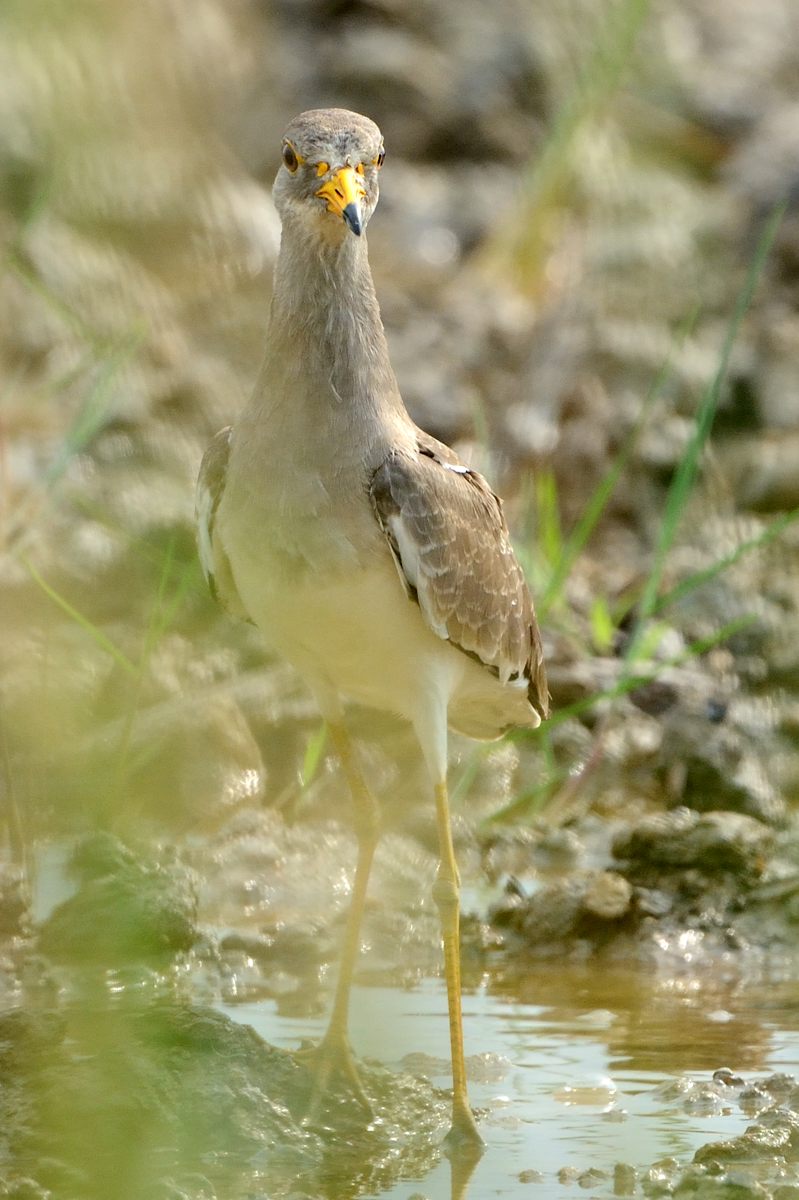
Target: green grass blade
(600, 497)
(93, 413)
(313, 755)
(550, 533)
(518, 247)
(706, 574)
(109, 355)
(685, 476)
(533, 799)
(530, 802)
(17, 263)
(158, 622)
(628, 682)
(603, 627)
(96, 634)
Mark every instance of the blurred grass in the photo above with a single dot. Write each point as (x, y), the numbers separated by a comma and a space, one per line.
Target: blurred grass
(82, 621)
(314, 752)
(160, 619)
(561, 553)
(637, 665)
(155, 582)
(519, 249)
(99, 369)
(682, 485)
(532, 801)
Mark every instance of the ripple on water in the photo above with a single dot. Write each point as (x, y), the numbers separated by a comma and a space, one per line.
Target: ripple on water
(584, 1076)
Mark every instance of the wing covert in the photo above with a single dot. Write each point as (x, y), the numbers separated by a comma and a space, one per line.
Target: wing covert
(448, 535)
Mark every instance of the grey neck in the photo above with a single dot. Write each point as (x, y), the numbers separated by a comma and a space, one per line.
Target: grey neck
(326, 349)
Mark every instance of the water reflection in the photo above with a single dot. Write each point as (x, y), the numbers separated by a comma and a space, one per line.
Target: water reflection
(653, 1022)
(582, 1056)
(121, 1093)
(579, 1070)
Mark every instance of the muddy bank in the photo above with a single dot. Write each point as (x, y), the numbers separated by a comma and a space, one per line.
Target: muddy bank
(152, 1096)
(668, 886)
(117, 1081)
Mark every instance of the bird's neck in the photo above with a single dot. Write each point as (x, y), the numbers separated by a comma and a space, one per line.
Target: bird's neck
(325, 336)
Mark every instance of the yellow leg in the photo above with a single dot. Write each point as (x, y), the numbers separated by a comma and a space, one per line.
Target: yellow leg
(446, 893)
(334, 1056)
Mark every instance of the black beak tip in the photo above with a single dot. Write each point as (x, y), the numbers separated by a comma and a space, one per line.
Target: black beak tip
(352, 218)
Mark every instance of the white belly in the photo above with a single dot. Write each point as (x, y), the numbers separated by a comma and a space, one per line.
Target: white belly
(342, 617)
(357, 634)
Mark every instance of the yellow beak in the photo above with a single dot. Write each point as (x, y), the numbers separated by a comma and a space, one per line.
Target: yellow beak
(344, 194)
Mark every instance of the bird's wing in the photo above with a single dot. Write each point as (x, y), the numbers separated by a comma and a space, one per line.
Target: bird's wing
(214, 561)
(448, 535)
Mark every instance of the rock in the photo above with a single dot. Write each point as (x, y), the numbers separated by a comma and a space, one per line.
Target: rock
(530, 1175)
(727, 1078)
(625, 1178)
(735, 1186)
(713, 761)
(124, 911)
(553, 913)
(591, 1178)
(714, 841)
(763, 472)
(585, 904)
(186, 1077)
(608, 896)
(779, 1138)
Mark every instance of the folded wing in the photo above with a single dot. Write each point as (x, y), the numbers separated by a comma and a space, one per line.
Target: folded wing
(448, 535)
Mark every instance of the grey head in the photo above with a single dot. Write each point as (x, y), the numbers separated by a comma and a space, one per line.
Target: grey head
(328, 177)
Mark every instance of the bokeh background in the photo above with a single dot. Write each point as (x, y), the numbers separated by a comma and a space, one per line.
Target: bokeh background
(587, 245)
(573, 195)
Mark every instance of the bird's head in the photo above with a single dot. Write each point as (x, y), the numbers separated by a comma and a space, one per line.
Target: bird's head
(331, 158)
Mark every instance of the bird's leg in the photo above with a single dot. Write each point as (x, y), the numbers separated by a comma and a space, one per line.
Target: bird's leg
(446, 893)
(334, 1056)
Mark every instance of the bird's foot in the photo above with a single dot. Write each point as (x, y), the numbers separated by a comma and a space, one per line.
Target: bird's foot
(464, 1137)
(332, 1065)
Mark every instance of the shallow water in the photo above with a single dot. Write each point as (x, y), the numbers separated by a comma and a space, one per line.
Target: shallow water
(572, 1065)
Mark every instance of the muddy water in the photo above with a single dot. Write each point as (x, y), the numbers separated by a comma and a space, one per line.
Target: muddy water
(586, 1073)
(575, 1068)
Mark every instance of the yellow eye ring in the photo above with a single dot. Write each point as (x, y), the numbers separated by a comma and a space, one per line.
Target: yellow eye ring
(378, 162)
(322, 168)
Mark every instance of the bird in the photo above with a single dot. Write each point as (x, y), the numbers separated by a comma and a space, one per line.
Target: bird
(368, 554)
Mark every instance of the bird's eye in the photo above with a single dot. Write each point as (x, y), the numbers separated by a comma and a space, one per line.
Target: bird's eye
(378, 162)
(360, 169)
(322, 168)
(290, 157)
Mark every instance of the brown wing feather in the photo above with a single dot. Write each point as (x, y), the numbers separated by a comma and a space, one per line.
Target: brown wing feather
(449, 538)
